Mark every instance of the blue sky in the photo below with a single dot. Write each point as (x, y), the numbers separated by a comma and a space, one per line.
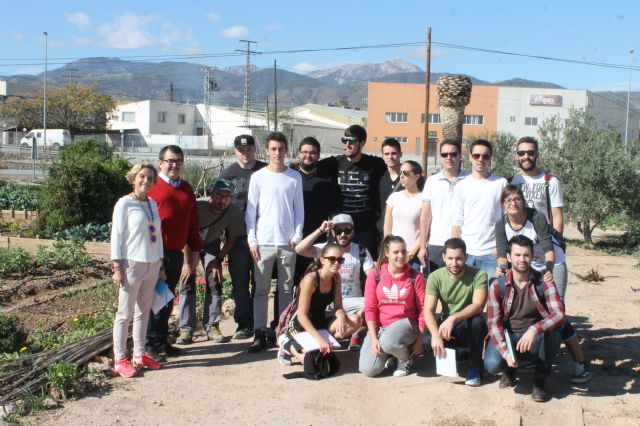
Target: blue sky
(602, 32)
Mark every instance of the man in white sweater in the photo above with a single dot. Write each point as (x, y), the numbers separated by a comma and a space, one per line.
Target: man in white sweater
(274, 220)
(476, 208)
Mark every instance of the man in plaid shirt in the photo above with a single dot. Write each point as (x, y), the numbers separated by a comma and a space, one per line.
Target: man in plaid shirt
(529, 312)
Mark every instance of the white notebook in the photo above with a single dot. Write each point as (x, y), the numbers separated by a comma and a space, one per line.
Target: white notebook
(446, 366)
(309, 343)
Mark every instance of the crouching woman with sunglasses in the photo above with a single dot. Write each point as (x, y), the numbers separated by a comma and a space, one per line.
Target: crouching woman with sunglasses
(318, 289)
(393, 303)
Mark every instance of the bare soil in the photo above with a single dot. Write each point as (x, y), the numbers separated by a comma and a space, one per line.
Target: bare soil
(222, 384)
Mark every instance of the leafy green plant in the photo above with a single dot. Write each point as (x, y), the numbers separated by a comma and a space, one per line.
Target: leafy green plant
(19, 197)
(13, 260)
(70, 254)
(12, 336)
(88, 232)
(61, 376)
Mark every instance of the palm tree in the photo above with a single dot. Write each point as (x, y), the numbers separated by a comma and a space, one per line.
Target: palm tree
(454, 94)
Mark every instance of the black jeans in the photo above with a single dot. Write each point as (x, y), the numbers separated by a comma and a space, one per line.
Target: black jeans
(158, 327)
(468, 334)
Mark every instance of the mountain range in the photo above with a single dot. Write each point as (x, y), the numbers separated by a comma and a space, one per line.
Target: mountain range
(345, 84)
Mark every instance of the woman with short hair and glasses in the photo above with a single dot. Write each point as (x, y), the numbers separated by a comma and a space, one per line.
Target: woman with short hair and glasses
(393, 308)
(319, 288)
(136, 259)
(402, 216)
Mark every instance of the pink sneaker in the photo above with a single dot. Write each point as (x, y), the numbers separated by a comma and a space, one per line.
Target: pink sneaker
(124, 369)
(145, 360)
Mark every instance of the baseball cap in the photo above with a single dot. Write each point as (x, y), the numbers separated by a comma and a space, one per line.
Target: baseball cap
(342, 218)
(221, 185)
(244, 140)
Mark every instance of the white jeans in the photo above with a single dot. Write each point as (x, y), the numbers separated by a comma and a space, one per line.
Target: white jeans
(136, 293)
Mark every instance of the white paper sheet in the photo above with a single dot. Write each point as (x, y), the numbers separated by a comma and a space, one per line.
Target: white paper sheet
(309, 343)
(447, 366)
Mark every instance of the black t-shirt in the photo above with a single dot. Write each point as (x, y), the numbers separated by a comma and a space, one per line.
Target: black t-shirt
(321, 197)
(387, 186)
(359, 183)
(240, 178)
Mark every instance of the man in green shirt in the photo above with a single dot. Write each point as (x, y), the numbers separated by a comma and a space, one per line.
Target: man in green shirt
(462, 291)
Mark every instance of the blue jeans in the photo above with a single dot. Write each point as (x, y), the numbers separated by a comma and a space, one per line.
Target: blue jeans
(487, 263)
(543, 351)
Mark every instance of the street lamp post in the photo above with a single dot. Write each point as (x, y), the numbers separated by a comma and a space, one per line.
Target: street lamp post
(626, 125)
(46, 39)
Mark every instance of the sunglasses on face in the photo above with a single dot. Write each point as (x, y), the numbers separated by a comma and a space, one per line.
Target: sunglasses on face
(339, 231)
(485, 157)
(529, 152)
(349, 140)
(449, 154)
(407, 173)
(334, 259)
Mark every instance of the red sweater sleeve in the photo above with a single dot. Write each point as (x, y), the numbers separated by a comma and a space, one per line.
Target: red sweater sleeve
(371, 298)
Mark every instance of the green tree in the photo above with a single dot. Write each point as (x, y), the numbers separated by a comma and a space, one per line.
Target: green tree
(599, 177)
(80, 109)
(83, 185)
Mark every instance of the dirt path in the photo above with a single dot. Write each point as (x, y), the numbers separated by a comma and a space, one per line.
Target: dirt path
(222, 384)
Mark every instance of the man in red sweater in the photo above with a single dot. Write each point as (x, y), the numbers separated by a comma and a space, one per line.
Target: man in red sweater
(179, 216)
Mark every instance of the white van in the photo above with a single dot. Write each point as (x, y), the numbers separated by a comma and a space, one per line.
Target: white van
(56, 138)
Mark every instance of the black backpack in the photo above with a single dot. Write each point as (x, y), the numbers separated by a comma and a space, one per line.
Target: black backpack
(319, 366)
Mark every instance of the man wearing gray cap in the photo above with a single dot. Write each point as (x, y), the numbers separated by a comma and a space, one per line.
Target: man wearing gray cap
(240, 263)
(216, 214)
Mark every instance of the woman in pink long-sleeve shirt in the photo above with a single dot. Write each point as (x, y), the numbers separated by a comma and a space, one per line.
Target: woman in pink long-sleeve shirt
(393, 302)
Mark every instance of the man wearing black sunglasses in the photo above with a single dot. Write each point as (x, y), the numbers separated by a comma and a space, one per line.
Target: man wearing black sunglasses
(476, 207)
(357, 263)
(435, 216)
(359, 177)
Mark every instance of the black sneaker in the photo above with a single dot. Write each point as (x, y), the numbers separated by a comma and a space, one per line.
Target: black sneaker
(157, 354)
(508, 378)
(539, 392)
(171, 350)
(270, 334)
(259, 342)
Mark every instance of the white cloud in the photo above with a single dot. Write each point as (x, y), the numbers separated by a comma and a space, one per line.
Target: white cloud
(274, 27)
(304, 67)
(79, 19)
(235, 32)
(130, 31)
(214, 17)
(17, 36)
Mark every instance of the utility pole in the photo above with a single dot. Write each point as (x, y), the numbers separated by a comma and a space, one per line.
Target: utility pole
(268, 128)
(626, 125)
(209, 86)
(170, 91)
(247, 79)
(46, 57)
(275, 96)
(69, 74)
(427, 84)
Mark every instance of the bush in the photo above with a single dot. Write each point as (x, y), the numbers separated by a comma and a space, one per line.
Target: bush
(62, 376)
(12, 336)
(88, 232)
(84, 184)
(19, 197)
(13, 260)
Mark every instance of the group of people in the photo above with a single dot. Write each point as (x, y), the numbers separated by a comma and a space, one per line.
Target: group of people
(464, 240)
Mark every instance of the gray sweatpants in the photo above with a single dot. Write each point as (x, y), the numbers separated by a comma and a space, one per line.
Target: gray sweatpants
(395, 340)
(285, 259)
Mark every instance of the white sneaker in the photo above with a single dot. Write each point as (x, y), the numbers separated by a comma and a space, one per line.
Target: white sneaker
(284, 358)
(402, 369)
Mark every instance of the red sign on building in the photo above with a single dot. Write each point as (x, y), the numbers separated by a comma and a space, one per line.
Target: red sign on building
(545, 100)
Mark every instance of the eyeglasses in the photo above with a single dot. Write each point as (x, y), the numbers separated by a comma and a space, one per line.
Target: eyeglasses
(529, 152)
(346, 231)
(334, 259)
(516, 200)
(449, 154)
(407, 173)
(485, 157)
(173, 162)
(349, 140)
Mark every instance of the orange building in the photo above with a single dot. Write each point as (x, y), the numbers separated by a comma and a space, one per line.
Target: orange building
(397, 110)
